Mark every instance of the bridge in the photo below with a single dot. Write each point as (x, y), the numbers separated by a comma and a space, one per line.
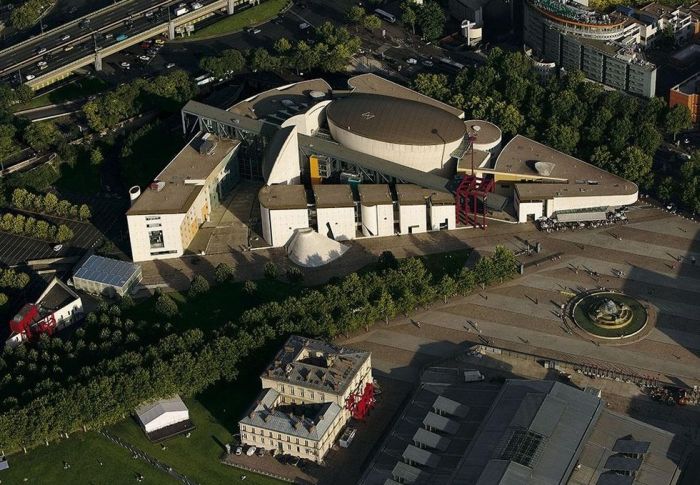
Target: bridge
(90, 39)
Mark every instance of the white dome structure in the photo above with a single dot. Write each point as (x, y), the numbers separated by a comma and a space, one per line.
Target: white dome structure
(403, 131)
(310, 249)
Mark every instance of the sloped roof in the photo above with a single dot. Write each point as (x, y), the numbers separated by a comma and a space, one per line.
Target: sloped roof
(431, 440)
(106, 270)
(450, 407)
(310, 249)
(153, 410)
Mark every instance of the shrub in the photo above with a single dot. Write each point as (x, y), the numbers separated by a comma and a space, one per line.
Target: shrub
(271, 271)
(295, 275)
(198, 286)
(250, 287)
(223, 273)
(166, 306)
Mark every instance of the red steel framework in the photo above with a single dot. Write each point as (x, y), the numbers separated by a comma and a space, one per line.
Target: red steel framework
(360, 404)
(471, 189)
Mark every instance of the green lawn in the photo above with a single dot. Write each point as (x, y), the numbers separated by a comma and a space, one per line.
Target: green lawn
(83, 451)
(215, 414)
(75, 90)
(248, 18)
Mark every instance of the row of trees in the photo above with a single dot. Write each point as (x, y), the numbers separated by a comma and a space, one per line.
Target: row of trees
(428, 17)
(27, 14)
(111, 365)
(615, 131)
(167, 92)
(331, 52)
(22, 199)
(37, 229)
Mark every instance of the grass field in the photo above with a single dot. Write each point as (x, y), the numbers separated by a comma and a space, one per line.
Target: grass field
(75, 90)
(237, 22)
(84, 452)
(215, 415)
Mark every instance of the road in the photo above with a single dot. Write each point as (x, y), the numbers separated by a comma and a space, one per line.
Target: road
(77, 39)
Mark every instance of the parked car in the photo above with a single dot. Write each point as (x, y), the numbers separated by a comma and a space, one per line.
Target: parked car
(125, 65)
(239, 450)
(428, 63)
(411, 61)
(250, 451)
(261, 451)
(254, 30)
(57, 247)
(304, 26)
(160, 41)
(170, 65)
(144, 58)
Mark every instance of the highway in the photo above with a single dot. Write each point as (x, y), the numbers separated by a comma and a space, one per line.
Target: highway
(79, 38)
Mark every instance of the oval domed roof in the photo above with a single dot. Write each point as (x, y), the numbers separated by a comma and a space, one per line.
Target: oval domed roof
(394, 120)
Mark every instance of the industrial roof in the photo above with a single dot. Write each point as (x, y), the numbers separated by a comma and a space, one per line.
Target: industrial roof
(540, 425)
(333, 195)
(413, 454)
(280, 197)
(316, 364)
(372, 84)
(308, 421)
(320, 146)
(153, 410)
(107, 271)
(569, 177)
(395, 120)
(431, 440)
(374, 194)
(56, 295)
(283, 102)
(411, 194)
(310, 249)
(185, 176)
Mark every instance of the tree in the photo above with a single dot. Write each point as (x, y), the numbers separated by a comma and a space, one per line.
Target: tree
(96, 157)
(355, 14)
(198, 286)
(166, 306)
(436, 86)
(677, 119)
(24, 93)
(223, 273)
(19, 198)
(229, 63)
(260, 60)
(3, 299)
(562, 137)
(666, 189)
(41, 136)
(371, 22)
(282, 46)
(63, 208)
(635, 165)
(408, 15)
(84, 212)
(7, 142)
(304, 58)
(50, 203)
(42, 230)
(250, 287)
(431, 20)
(271, 270)
(294, 274)
(64, 233)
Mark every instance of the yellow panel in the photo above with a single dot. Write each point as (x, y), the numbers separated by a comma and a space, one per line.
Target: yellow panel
(313, 167)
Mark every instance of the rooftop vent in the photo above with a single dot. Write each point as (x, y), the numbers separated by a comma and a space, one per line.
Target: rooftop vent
(317, 95)
(544, 168)
(157, 185)
(207, 147)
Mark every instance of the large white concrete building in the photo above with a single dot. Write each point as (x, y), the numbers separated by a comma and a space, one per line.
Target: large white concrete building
(165, 216)
(310, 392)
(335, 211)
(377, 210)
(283, 208)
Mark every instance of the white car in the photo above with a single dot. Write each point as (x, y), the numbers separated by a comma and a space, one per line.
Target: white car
(58, 247)
(170, 65)
(29, 77)
(41, 50)
(427, 63)
(304, 26)
(411, 61)
(125, 65)
(144, 58)
(42, 64)
(250, 451)
(196, 5)
(239, 450)
(65, 37)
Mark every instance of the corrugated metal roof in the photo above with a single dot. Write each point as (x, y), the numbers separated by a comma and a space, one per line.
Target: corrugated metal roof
(448, 406)
(106, 270)
(430, 439)
(413, 454)
(441, 423)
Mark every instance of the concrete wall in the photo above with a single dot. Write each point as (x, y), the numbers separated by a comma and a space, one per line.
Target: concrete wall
(286, 168)
(278, 225)
(308, 123)
(65, 316)
(412, 218)
(440, 214)
(340, 221)
(170, 224)
(377, 220)
(525, 209)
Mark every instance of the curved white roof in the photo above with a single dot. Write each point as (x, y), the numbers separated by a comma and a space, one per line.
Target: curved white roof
(310, 249)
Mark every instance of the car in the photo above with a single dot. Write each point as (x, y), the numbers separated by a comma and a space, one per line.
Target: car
(254, 30)
(65, 37)
(40, 50)
(427, 63)
(144, 58)
(239, 450)
(261, 451)
(149, 14)
(29, 77)
(160, 41)
(125, 65)
(146, 44)
(304, 25)
(122, 37)
(57, 247)
(196, 5)
(68, 48)
(250, 451)
(411, 61)
(41, 64)
(109, 36)
(170, 65)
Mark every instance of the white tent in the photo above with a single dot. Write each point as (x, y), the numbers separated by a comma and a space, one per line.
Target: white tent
(310, 249)
(162, 413)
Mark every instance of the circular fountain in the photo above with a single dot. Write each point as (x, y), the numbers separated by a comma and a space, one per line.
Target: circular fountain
(608, 314)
